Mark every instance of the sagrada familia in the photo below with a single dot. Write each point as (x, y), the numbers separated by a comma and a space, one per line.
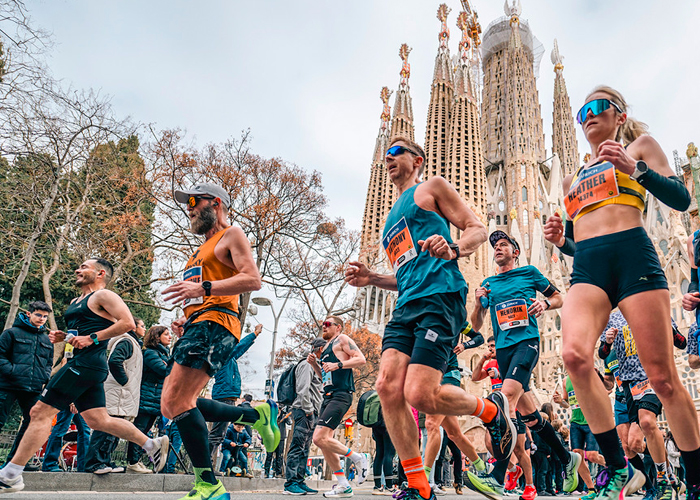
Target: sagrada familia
(485, 135)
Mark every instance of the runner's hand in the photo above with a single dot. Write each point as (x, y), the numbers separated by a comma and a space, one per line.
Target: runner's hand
(311, 359)
(258, 329)
(554, 230)
(480, 292)
(556, 397)
(438, 247)
(615, 153)
(73, 409)
(56, 336)
(329, 367)
(610, 335)
(536, 308)
(493, 373)
(691, 301)
(459, 348)
(488, 355)
(183, 290)
(176, 326)
(357, 274)
(81, 342)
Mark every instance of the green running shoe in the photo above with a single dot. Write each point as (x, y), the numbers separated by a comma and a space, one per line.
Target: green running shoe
(571, 472)
(206, 491)
(665, 489)
(588, 496)
(485, 484)
(615, 484)
(267, 425)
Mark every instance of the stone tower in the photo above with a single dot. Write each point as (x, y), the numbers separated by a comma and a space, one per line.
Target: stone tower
(511, 123)
(564, 142)
(440, 107)
(372, 223)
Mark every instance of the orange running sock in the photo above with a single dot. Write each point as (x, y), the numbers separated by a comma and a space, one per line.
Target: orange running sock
(485, 410)
(415, 473)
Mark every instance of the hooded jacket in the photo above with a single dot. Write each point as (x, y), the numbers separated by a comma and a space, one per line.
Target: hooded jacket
(26, 355)
(155, 366)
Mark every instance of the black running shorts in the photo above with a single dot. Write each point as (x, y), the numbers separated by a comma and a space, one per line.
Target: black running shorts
(517, 361)
(205, 345)
(648, 402)
(335, 405)
(75, 384)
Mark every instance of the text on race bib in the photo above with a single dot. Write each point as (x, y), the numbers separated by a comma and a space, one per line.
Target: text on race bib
(193, 274)
(641, 389)
(512, 314)
(398, 245)
(595, 183)
(573, 400)
(326, 378)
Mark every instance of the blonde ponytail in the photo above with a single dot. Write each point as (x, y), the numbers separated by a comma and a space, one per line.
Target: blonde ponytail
(632, 128)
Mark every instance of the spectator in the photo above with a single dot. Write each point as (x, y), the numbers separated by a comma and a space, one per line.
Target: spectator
(236, 444)
(64, 419)
(674, 456)
(305, 408)
(155, 365)
(170, 429)
(540, 462)
(383, 459)
(227, 389)
(26, 355)
(122, 394)
(275, 460)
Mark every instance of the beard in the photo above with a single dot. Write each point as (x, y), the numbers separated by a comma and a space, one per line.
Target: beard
(205, 221)
(84, 280)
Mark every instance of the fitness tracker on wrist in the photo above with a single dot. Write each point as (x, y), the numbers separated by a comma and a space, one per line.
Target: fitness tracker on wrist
(207, 288)
(640, 169)
(93, 336)
(455, 247)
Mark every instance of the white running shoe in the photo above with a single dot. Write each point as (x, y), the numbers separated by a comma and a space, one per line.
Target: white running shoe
(362, 469)
(159, 455)
(338, 491)
(8, 485)
(437, 490)
(138, 468)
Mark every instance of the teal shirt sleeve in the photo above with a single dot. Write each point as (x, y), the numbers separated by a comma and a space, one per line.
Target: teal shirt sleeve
(541, 283)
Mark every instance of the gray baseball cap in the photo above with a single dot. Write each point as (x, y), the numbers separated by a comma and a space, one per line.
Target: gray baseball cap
(318, 343)
(182, 196)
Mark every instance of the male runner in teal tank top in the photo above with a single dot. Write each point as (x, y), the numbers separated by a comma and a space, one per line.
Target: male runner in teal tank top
(430, 310)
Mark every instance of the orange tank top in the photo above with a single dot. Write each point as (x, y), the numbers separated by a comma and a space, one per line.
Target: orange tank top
(204, 266)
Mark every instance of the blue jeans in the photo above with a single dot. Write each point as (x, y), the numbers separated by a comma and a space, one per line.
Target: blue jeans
(53, 446)
(175, 444)
(240, 458)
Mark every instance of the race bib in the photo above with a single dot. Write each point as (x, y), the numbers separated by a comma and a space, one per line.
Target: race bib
(497, 386)
(326, 378)
(595, 183)
(512, 314)
(193, 274)
(398, 245)
(68, 350)
(641, 389)
(614, 368)
(573, 401)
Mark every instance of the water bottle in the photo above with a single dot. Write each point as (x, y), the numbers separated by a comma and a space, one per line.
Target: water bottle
(484, 302)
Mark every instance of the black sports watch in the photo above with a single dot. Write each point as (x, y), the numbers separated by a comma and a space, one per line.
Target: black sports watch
(340, 365)
(207, 288)
(549, 304)
(640, 169)
(93, 336)
(455, 247)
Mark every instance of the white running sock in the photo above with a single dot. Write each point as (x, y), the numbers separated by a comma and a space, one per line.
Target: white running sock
(355, 457)
(12, 471)
(149, 445)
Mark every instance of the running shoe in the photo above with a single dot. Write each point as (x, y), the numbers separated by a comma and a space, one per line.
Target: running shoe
(588, 496)
(205, 491)
(294, 489)
(138, 468)
(411, 494)
(512, 478)
(437, 490)
(362, 467)
(615, 484)
(458, 489)
(485, 484)
(650, 494)
(159, 453)
(378, 491)
(665, 489)
(8, 485)
(267, 425)
(678, 486)
(338, 491)
(693, 493)
(529, 493)
(308, 489)
(571, 472)
(501, 428)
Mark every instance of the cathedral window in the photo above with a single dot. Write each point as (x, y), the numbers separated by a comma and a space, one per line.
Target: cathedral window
(498, 220)
(501, 204)
(526, 220)
(524, 193)
(523, 172)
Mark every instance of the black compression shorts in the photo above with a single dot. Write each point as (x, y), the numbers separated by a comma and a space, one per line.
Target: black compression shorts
(75, 384)
(335, 405)
(517, 361)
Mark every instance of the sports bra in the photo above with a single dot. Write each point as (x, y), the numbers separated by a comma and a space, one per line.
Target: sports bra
(601, 184)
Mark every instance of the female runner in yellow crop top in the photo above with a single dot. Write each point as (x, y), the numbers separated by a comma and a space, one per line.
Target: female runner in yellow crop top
(615, 264)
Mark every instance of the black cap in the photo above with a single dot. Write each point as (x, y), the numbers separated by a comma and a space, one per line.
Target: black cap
(318, 343)
(500, 235)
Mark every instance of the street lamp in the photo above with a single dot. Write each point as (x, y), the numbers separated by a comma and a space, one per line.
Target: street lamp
(265, 302)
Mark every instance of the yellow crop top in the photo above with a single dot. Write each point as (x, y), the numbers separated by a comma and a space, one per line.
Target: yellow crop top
(599, 185)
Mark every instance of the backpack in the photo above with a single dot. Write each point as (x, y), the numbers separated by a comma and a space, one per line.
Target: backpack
(696, 250)
(287, 385)
(369, 409)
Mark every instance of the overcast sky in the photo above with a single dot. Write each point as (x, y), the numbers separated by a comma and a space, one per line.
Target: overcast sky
(305, 76)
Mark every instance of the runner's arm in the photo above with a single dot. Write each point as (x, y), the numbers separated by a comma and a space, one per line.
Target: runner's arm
(113, 305)
(608, 381)
(349, 347)
(479, 373)
(248, 277)
(358, 275)
(478, 315)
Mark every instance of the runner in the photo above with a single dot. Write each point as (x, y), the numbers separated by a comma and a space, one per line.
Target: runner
(514, 311)
(450, 423)
(217, 272)
(429, 312)
(643, 405)
(340, 355)
(91, 319)
(604, 200)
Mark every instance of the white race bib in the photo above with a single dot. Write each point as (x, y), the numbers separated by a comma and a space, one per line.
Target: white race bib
(193, 274)
(512, 314)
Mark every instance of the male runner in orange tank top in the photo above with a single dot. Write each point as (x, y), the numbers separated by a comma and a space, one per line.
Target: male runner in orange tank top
(215, 275)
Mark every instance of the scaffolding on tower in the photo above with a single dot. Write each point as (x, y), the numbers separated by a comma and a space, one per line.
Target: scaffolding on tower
(471, 19)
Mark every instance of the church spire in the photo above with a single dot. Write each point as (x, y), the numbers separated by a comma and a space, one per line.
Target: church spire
(563, 130)
(440, 106)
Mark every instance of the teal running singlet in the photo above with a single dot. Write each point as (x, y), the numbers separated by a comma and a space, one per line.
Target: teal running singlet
(417, 273)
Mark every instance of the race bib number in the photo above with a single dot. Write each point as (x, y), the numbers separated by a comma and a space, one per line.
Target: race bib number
(595, 183)
(573, 401)
(193, 274)
(641, 389)
(326, 378)
(614, 368)
(512, 314)
(497, 386)
(398, 245)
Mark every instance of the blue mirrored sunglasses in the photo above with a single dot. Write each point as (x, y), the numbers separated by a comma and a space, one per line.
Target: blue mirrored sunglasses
(596, 106)
(399, 150)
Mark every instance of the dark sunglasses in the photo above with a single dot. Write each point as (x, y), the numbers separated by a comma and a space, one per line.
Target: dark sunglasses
(596, 106)
(193, 200)
(328, 324)
(399, 150)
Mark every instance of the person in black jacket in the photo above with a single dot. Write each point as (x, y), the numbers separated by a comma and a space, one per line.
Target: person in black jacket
(156, 345)
(26, 354)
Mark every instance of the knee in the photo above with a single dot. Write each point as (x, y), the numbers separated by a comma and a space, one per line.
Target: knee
(431, 426)
(647, 424)
(390, 391)
(94, 422)
(420, 398)
(319, 440)
(663, 384)
(577, 361)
